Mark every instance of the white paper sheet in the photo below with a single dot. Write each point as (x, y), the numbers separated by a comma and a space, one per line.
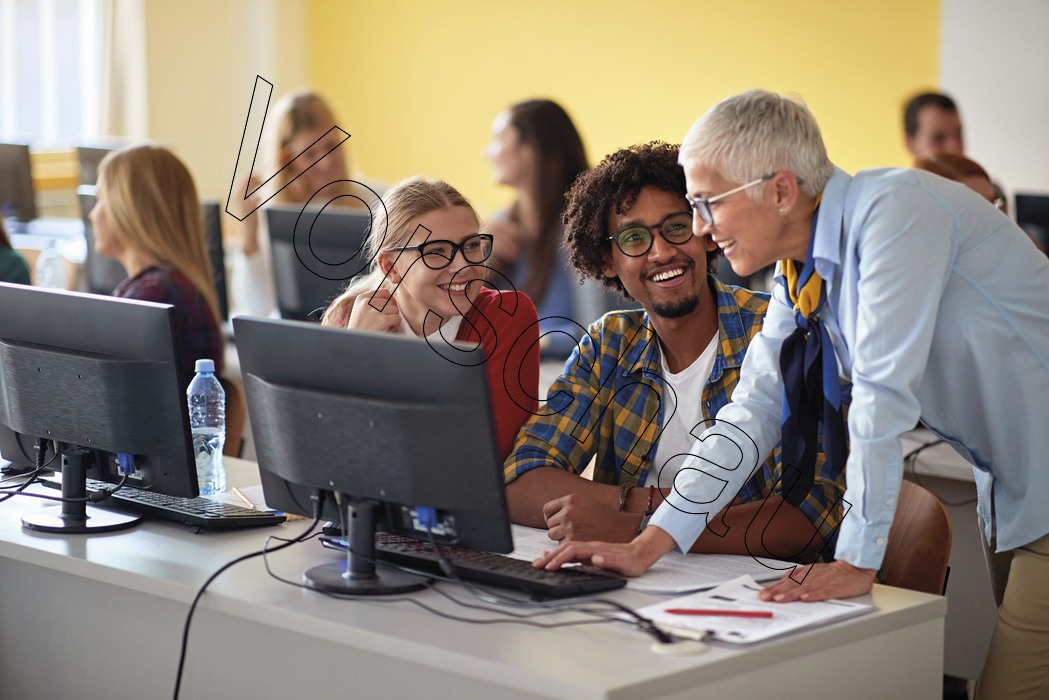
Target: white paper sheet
(742, 594)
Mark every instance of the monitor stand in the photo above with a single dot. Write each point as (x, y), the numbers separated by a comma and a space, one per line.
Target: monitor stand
(357, 575)
(77, 517)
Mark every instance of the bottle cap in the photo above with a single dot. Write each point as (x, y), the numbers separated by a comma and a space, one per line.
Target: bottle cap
(205, 366)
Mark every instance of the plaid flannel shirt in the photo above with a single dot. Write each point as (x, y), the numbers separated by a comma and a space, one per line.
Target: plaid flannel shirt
(608, 403)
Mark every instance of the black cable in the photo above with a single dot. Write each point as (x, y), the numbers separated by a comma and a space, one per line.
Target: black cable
(93, 497)
(318, 501)
(912, 457)
(641, 622)
(41, 465)
(546, 607)
(514, 619)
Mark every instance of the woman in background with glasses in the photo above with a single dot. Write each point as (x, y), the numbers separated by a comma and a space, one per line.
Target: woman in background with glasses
(426, 280)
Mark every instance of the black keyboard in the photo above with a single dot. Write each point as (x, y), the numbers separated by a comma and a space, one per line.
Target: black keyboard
(199, 512)
(495, 569)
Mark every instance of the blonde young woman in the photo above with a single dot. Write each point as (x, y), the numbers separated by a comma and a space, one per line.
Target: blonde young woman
(147, 217)
(300, 123)
(426, 279)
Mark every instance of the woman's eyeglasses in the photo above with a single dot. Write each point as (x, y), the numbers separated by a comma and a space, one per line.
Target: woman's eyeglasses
(438, 255)
(636, 241)
(702, 206)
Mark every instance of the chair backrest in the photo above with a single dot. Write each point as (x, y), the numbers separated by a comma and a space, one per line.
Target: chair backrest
(236, 413)
(919, 542)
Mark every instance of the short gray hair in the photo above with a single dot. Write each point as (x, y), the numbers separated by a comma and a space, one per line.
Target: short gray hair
(748, 136)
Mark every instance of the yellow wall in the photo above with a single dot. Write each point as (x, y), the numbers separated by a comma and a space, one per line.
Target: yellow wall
(417, 83)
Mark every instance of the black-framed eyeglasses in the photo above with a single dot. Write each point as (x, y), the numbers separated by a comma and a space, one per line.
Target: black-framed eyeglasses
(702, 206)
(637, 240)
(438, 255)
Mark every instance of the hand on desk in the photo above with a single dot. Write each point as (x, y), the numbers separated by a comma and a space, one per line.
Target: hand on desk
(631, 559)
(580, 518)
(837, 579)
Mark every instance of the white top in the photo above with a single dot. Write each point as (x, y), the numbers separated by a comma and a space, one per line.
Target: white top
(252, 285)
(681, 418)
(443, 335)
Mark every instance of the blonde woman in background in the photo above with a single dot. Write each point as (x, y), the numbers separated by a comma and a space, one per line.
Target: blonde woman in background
(300, 123)
(426, 279)
(147, 217)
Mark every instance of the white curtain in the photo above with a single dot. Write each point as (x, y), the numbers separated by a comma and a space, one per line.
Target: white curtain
(124, 102)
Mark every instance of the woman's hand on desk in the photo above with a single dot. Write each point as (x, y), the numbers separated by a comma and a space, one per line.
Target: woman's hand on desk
(837, 579)
(631, 559)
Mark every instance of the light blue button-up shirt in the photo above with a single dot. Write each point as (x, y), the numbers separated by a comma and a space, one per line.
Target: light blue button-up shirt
(939, 310)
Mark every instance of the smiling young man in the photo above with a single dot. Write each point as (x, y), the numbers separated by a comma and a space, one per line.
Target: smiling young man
(642, 384)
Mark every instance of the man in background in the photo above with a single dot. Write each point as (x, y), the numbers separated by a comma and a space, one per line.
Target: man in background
(932, 125)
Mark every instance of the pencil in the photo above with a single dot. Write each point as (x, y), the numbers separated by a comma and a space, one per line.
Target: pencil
(719, 613)
(241, 496)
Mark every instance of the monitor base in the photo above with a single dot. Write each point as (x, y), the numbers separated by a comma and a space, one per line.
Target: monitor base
(332, 578)
(95, 520)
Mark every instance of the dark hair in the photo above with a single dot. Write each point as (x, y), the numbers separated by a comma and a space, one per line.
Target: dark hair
(5, 242)
(559, 158)
(915, 105)
(613, 186)
(951, 166)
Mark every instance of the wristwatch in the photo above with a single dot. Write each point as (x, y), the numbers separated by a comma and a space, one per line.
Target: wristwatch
(645, 517)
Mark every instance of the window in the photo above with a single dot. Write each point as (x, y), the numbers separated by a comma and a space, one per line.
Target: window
(50, 69)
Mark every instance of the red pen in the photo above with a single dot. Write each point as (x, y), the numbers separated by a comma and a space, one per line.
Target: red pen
(720, 613)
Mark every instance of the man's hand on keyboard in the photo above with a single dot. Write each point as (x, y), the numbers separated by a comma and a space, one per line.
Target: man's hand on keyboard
(631, 559)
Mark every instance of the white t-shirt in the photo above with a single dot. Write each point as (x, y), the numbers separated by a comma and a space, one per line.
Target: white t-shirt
(449, 331)
(682, 411)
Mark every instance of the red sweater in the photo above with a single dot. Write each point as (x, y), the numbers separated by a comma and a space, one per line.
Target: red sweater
(507, 327)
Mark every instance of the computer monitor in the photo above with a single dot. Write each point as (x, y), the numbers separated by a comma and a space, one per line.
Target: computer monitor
(216, 254)
(99, 376)
(386, 422)
(16, 183)
(1032, 214)
(104, 274)
(315, 254)
(89, 158)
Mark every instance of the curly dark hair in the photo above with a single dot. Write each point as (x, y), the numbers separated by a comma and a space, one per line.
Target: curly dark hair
(613, 186)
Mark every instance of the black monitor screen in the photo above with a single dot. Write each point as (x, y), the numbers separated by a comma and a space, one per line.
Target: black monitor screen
(98, 373)
(1032, 214)
(375, 416)
(16, 182)
(315, 254)
(89, 159)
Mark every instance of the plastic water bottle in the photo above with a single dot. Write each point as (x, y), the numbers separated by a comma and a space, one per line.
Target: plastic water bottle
(50, 269)
(207, 421)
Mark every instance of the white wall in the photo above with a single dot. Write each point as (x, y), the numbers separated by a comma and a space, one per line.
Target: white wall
(994, 61)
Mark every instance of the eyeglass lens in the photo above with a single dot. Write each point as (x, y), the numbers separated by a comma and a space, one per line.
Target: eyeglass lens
(636, 241)
(438, 254)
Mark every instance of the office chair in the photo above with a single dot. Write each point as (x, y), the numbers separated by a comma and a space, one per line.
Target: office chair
(236, 413)
(919, 542)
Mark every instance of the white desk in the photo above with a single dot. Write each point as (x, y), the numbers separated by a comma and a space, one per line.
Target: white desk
(102, 616)
(972, 613)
